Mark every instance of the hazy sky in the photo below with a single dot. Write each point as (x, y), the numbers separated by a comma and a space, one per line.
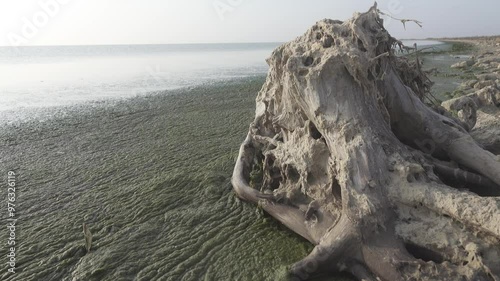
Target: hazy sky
(82, 22)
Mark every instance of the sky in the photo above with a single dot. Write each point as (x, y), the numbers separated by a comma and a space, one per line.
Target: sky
(104, 22)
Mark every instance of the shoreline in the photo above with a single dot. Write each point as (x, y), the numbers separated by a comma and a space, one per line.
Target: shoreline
(483, 60)
(22, 115)
(150, 177)
(437, 63)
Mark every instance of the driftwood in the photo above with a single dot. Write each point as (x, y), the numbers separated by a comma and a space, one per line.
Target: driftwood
(344, 152)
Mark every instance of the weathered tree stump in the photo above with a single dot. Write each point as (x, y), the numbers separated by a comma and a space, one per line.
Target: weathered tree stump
(344, 152)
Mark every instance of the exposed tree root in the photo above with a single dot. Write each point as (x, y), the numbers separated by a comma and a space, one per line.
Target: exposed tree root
(480, 184)
(481, 213)
(343, 151)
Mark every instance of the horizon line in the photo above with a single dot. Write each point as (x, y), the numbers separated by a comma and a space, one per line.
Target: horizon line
(215, 43)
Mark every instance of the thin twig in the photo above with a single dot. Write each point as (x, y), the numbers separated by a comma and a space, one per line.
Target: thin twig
(386, 54)
(403, 21)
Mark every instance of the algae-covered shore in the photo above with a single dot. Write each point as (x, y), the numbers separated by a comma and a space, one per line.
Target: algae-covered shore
(450, 82)
(150, 176)
(437, 61)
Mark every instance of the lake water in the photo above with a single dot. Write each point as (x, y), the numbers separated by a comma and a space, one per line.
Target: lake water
(63, 75)
(410, 42)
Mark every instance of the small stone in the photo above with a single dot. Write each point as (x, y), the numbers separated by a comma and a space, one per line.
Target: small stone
(470, 83)
(486, 96)
(488, 76)
(483, 84)
(462, 64)
(465, 108)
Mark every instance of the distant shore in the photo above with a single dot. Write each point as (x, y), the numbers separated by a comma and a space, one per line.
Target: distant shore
(481, 40)
(449, 81)
(478, 60)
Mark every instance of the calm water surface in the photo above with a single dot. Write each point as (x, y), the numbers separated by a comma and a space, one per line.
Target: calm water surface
(52, 76)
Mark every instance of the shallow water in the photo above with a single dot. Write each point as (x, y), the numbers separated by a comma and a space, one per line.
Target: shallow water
(447, 79)
(150, 176)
